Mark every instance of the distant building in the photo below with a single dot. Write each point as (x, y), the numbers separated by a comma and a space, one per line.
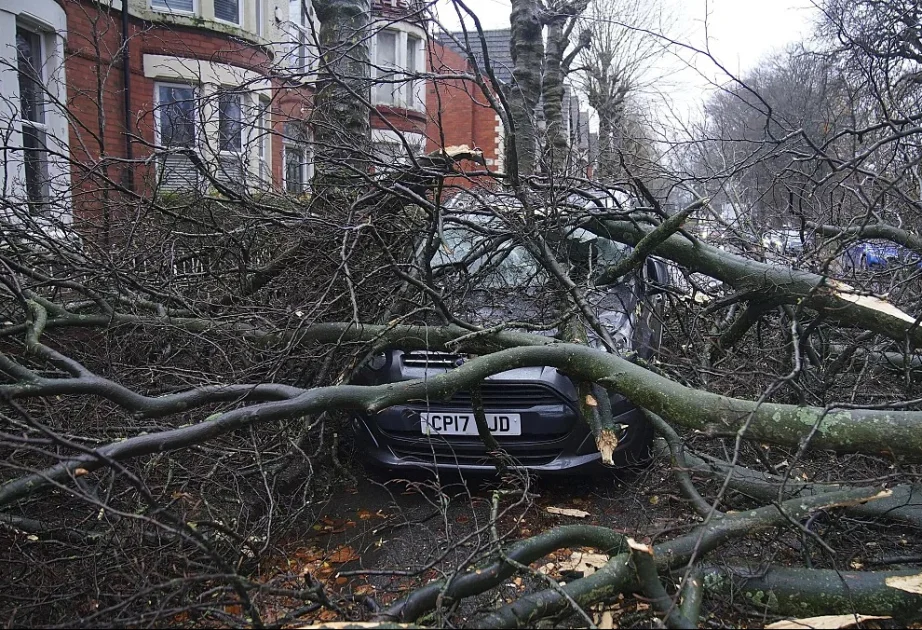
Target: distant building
(461, 113)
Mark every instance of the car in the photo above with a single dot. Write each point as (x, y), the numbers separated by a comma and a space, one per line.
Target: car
(876, 255)
(532, 412)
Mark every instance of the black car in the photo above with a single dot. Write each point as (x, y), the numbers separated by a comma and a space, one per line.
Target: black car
(532, 411)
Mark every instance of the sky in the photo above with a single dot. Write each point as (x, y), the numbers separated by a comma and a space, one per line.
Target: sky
(739, 33)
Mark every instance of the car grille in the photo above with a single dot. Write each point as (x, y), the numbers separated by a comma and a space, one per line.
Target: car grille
(430, 359)
(508, 395)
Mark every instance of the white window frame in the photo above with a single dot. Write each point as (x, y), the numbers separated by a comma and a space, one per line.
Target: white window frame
(39, 127)
(167, 9)
(158, 111)
(196, 121)
(239, 21)
(306, 167)
(406, 92)
(302, 28)
(263, 128)
(394, 139)
(260, 25)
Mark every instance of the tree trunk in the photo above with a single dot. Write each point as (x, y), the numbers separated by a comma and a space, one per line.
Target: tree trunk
(527, 47)
(341, 115)
(553, 92)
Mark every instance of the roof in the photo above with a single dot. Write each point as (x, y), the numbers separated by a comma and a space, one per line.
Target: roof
(497, 48)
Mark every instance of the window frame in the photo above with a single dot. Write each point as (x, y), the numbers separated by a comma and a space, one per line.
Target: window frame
(35, 157)
(241, 121)
(167, 9)
(402, 84)
(306, 166)
(158, 113)
(239, 21)
(302, 26)
(410, 87)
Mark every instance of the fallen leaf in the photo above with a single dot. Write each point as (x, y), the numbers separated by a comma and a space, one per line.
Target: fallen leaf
(79, 472)
(364, 515)
(327, 615)
(908, 583)
(591, 401)
(830, 622)
(567, 512)
(343, 554)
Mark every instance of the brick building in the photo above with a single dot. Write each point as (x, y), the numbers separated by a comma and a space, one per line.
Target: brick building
(459, 112)
(95, 101)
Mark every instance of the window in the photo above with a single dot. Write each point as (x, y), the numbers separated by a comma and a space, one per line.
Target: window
(413, 48)
(230, 122)
(386, 62)
(396, 61)
(260, 17)
(227, 10)
(176, 115)
(29, 57)
(173, 6)
(298, 157)
(264, 139)
(175, 124)
(301, 19)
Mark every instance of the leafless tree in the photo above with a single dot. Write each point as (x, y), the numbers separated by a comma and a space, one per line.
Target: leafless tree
(177, 363)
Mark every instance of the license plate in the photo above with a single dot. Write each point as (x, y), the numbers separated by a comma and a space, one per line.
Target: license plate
(464, 423)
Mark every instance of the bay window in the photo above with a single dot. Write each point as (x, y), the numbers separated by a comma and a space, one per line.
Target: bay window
(397, 57)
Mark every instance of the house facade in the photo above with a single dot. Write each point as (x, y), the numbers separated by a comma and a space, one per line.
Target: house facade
(140, 97)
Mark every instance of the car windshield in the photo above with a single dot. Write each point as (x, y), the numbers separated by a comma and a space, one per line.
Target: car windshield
(474, 244)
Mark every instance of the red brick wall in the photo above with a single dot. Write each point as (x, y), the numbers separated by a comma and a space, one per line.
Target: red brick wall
(93, 60)
(458, 112)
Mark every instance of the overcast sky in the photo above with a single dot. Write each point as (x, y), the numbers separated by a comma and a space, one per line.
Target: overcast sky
(739, 34)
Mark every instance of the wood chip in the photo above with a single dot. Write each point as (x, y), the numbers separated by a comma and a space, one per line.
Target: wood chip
(830, 622)
(908, 583)
(568, 512)
(585, 562)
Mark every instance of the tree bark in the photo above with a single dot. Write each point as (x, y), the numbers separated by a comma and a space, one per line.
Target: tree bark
(527, 47)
